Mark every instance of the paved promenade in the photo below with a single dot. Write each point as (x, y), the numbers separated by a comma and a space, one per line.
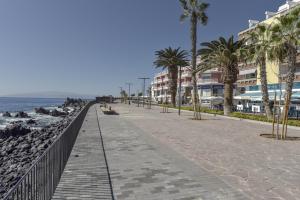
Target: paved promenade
(153, 155)
(85, 176)
(142, 168)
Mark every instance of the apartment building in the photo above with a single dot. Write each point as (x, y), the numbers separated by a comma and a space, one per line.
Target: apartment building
(209, 83)
(210, 88)
(160, 86)
(249, 80)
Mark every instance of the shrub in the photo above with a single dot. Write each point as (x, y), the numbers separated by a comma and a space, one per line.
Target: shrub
(291, 122)
(262, 118)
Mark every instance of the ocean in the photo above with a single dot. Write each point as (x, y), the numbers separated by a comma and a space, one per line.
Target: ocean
(15, 104)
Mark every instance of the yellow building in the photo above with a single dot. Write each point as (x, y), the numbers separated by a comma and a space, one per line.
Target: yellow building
(249, 78)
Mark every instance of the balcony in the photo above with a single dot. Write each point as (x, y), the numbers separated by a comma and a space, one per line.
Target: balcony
(156, 81)
(207, 81)
(186, 84)
(186, 74)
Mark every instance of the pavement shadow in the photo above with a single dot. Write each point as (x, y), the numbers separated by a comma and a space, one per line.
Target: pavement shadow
(288, 138)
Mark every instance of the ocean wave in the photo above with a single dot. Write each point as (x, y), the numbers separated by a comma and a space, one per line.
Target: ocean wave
(40, 119)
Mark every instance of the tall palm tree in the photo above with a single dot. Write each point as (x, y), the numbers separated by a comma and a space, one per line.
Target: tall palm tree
(171, 59)
(260, 44)
(196, 11)
(286, 39)
(225, 55)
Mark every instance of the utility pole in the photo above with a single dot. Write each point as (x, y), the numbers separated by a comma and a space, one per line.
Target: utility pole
(138, 99)
(150, 97)
(144, 88)
(121, 93)
(129, 95)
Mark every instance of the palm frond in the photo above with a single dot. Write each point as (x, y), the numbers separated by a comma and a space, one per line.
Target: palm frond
(171, 58)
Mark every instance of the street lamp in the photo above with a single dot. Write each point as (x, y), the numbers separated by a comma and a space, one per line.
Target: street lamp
(144, 86)
(129, 95)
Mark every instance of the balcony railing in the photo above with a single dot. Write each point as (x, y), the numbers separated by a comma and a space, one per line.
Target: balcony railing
(186, 84)
(247, 79)
(160, 80)
(208, 81)
(186, 74)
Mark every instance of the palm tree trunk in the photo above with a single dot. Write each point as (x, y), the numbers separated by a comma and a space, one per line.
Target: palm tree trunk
(228, 96)
(292, 54)
(194, 59)
(264, 88)
(173, 84)
(179, 91)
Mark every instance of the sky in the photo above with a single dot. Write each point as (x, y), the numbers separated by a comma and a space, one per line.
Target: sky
(96, 46)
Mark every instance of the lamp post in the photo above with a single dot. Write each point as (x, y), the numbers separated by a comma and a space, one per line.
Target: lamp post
(144, 86)
(138, 99)
(129, 95)
(121, 90)
(150, 97)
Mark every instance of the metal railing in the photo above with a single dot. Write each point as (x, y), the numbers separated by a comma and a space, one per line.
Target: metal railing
(42, 178)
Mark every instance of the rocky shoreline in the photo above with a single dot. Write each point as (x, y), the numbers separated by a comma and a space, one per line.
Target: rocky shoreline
(21, 145)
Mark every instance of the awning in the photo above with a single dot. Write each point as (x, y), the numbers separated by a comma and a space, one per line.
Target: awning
(257, 96)
(212, 98)
(241, 98)
(247, 71)
(296, 95)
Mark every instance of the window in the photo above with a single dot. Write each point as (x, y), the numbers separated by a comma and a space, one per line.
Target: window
(206, 76)
(249, 76)
(206, 92)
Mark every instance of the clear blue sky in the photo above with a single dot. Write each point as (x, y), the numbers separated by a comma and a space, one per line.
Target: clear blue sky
(95, 46)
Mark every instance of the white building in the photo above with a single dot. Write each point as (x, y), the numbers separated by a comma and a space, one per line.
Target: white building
(160, 85)
(210, 87)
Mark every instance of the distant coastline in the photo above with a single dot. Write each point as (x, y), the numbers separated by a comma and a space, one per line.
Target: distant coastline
(8, 97)
(49, 94)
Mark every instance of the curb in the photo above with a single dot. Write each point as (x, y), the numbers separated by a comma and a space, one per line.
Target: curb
(237, 119)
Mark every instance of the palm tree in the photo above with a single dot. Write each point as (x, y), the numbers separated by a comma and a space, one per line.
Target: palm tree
(196, 12)
(171, 59)
(225, 55)
(259, 40)
(285, 40)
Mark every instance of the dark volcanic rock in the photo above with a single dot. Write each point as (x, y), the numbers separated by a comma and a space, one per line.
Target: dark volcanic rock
(74, 103)
(20, 148)
(14, 130)
(22, 114)
(42, 110)
(30, 122)
(16, 122)
(65, 109)
(56, 113)
(6, 114)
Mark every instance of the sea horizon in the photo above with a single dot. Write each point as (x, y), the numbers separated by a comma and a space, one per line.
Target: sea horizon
(15, 104)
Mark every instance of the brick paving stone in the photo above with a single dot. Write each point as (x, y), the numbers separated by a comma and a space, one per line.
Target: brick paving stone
(154, 154)
(85, 176)
(144, 169)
